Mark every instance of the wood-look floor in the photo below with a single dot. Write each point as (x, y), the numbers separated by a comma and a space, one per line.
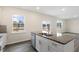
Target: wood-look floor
(20, 47)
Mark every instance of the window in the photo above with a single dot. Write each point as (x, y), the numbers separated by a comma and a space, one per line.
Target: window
(59, 24)
(45, 26)
(59, 27)
(17, 23)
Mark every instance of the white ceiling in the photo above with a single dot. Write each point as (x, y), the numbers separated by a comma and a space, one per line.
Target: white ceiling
(58, 11)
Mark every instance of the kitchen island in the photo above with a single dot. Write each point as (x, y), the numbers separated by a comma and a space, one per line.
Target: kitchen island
(52, 43)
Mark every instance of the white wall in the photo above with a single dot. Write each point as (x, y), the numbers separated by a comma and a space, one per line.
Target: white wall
(0, 14)
(32, 23)
(72, 25)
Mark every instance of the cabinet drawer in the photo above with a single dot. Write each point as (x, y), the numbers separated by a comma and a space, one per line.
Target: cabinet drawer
(52, 49)
(55, 46)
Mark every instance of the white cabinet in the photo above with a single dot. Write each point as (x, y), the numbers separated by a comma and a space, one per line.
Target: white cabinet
(46, 45)
(41, 44)
(55, 47)
(33, 39)
(37, 43)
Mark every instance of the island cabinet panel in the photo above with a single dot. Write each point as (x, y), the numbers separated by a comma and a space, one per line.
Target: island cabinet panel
(33, 39)
(37, 44)
(55, 47)
(69, 47)
(41, 44)
(47, 45)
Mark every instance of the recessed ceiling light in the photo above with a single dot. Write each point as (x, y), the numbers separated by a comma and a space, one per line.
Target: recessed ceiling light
(37, 8)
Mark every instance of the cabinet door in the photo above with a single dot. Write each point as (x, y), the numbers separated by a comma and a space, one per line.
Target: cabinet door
(55, 47)
(44, 44)
(41, 44)
(51, 49)
(37, 43)
(33, 39)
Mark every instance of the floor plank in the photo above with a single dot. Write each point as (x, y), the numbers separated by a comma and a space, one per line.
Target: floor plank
(20, 47)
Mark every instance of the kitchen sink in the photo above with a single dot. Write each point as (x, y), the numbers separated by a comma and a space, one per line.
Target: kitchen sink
(45, 34)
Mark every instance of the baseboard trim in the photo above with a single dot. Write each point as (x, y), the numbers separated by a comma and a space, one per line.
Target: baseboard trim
(18, 42)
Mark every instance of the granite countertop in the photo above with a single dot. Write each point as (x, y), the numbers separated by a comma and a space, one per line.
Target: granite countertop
(64, 39)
